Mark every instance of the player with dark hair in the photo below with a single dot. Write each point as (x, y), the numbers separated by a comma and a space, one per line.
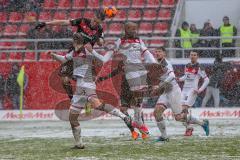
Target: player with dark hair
(192, 74)
(91, 31)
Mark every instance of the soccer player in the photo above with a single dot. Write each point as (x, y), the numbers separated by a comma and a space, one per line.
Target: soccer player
(192, 74)
(134, 51)
(171, 97)
(85, 87)
(92, 32)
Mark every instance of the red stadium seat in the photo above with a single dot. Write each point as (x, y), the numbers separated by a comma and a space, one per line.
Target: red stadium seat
(107, 3)
(24, 28)
(134, 15)
(153, 3)
(19, 45)
(88, 14)
(156, 43)
(15, 56)
(79, 4)
(45, 16)
(123, 4)
(164, 14)
(93, 4)
(5, 45)
(15, 17)
(145, 28)
(1, 29)
(45, 57)
(10, 30)
(138, 3)
(73, 29)
(29, 56)
(75, 14)
(4, 3)
(30, 17)
(64, 4)
(121, 15)
(3, 17)
(149, 14)
(115, 28)
(161, 27)
(49, 4)
(3, 56)
(60, 16)
(168, 3)
(104, 26)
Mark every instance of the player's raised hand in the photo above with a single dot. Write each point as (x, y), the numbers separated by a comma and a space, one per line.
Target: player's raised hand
(50, 54)
(40, 25)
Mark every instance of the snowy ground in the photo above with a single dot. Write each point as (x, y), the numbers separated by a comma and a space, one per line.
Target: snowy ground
(106, 128)
(110, 139)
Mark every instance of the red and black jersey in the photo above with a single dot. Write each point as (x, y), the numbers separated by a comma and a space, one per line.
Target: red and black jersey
(89, 33)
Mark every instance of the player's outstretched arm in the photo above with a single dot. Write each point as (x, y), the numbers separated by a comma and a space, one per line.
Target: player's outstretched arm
(148, 57)
(102, 58)
(181, 79)
(55, 22)
(204, 85)
(57, 57)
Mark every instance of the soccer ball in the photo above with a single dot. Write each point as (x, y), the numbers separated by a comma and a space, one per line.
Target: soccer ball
(110, 12)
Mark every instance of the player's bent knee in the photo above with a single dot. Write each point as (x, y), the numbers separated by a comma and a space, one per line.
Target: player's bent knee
(158, 111)
(73, 118)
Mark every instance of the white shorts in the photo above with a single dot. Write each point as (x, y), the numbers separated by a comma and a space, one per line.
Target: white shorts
(83, 93)
(188, 97)
(172, 99)
(137, 80)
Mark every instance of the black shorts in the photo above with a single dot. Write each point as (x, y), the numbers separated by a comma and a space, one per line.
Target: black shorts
(126, 95)
(66, 69)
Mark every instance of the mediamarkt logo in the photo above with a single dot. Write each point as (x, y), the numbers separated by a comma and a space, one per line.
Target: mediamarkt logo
(28, 115)
(221, 114)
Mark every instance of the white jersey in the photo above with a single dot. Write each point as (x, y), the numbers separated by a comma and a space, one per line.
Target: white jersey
(193, 72)
(171, 99)
(169, 75)
(192, 75)
(82, 67)
(136, 53)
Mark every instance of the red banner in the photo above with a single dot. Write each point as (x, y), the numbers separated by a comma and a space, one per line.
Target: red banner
(45, 91)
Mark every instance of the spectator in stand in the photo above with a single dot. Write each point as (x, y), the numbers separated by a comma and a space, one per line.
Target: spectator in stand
(227, 30)
(2, 91)
(194, 35)
(185, 33)
(217, 76)
(208, 31)
(13, 88)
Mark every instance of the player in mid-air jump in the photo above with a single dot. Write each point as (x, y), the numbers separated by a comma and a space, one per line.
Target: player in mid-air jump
(85, 87)
(92, 32)
(192, 74)
(134, 53)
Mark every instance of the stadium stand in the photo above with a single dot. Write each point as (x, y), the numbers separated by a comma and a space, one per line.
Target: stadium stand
(153, 17)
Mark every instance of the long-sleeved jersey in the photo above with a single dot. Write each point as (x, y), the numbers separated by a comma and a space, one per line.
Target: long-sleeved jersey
(135, 53)
(82, 65)
(168, 75)
(192, 75)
